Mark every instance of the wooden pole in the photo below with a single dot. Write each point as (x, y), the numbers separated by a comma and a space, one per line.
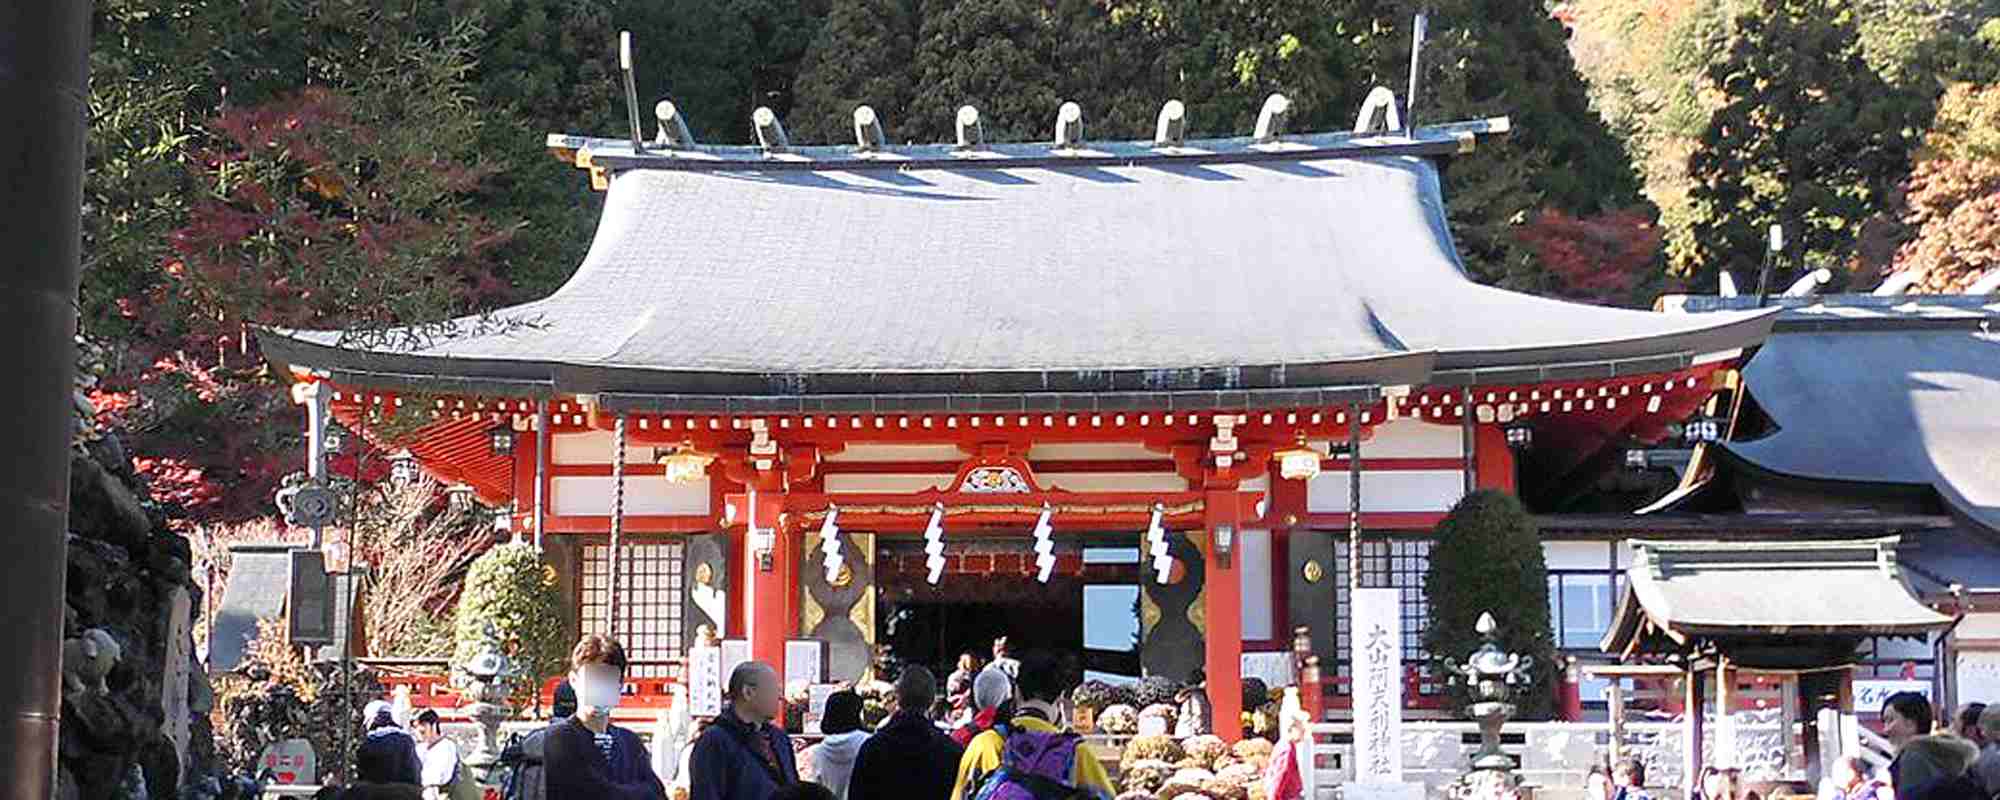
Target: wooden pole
(1617, 698)
(1725, 725)
(1693, 732)
(44, 68)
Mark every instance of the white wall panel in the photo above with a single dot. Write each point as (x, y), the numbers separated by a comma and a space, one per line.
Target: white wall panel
(1577, 555)
(591, 447)
(1253, 554)
(644, 494)
(1409, 438)
(898, 452)
(1092, 451)
(1114, 481)
(1401, 490)
(885, 483)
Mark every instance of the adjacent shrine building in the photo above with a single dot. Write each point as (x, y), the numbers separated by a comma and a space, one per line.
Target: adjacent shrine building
(943, 347)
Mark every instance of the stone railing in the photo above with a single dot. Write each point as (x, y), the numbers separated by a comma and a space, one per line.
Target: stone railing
(1553, 756)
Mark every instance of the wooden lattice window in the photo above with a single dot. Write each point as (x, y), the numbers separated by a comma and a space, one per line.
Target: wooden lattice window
(1388, 563)
(649, 606)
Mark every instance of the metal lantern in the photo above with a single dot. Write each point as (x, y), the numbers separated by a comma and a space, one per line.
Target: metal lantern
(1520, 436)
(332, 439)
(501, 440)
(1701, 430)
(403, 469)
(460, 498)
(1298, 462)
(1636, 459)
(685, 464)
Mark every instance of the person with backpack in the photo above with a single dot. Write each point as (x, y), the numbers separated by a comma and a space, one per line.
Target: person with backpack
(993, 702)
(444, 773)
(1032, 756)
(742, 756)
(908, 758)
(523, 756)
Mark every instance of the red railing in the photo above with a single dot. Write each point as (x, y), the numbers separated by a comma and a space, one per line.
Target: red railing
(429, 684)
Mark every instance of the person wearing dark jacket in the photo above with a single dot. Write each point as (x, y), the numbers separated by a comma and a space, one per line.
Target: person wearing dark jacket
(585, 757)
(1935, 768)
(742, 756)
(524, 756)
(388, 754)
(908, 757)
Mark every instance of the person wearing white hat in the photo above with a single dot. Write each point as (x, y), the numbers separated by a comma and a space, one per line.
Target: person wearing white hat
(388, 754)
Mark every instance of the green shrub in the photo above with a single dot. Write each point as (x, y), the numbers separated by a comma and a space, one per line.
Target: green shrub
(511, 603)
(1488, 559)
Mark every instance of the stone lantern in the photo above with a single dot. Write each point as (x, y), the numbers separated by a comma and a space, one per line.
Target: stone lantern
(1492, 674)
(485, 695)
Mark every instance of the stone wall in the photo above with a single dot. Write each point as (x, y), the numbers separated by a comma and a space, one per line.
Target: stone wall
(134, 708)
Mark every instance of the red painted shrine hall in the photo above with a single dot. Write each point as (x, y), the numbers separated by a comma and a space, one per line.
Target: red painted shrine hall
(948, 343)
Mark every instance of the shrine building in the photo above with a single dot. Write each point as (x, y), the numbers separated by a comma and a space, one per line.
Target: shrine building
(954, 359)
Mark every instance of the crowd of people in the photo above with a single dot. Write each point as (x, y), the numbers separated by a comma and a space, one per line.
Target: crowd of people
(1955, 759)
(997, 731)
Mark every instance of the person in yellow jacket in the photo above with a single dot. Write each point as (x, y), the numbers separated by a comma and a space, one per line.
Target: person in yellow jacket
(1037, 691)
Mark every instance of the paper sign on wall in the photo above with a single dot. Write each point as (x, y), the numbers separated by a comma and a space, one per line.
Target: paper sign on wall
(734, 652)
(704, 681)
(1870, 695)
(805, 660)
(1376, 639)
(816, 697)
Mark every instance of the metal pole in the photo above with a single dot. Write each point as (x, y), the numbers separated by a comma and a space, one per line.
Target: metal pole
(541, 467)
(614, 573)
(316, 408)
(1353, 500)
(1470, 438)
(43, 70)
(1416, 54)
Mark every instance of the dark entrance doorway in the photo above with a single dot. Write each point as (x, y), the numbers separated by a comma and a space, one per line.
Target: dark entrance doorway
(934, 634)
(989, 589)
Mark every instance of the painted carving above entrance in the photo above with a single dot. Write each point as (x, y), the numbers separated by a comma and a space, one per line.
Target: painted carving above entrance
(995, 471)
(994, 480)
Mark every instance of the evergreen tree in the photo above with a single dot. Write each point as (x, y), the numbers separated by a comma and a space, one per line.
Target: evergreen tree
(1809, 136)
(996, 55)
(863, 55)
(1488, 560)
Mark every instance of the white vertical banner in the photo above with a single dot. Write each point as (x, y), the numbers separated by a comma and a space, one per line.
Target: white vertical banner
(1376, 661)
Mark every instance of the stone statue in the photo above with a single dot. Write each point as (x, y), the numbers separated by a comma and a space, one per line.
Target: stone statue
(86, 659)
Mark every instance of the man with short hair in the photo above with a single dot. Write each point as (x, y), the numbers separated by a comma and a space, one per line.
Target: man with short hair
(1629, 778)
(1987, 769)
(585, 756)
(908, 756)
(524, 756)
(1035, 737)
(742, 756)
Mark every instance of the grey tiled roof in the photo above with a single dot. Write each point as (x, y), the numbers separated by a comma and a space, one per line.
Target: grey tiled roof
(1223, 279)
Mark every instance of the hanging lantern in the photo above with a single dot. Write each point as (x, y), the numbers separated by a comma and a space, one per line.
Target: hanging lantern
(500, 440)
(403, 469)
(1520, 436)
(686, 464)
(459, 497)
(1701, 430)
(331, 439)
(1299, 462)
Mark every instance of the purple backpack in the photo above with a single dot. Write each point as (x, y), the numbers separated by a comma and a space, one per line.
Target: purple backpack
(1033, 766)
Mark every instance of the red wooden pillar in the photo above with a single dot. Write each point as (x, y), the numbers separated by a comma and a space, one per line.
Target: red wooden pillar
(1222, 604)
(769, 583)
(1493, 460)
